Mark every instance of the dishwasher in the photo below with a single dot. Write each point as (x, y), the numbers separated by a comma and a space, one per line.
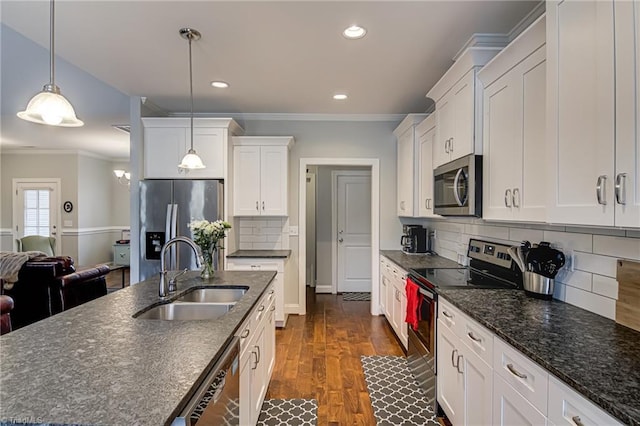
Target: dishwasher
(217, 400)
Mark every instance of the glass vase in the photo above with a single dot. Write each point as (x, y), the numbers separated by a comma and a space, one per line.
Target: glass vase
(208, 256)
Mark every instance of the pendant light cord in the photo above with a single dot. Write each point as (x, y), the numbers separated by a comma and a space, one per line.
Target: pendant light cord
(51, 45)
(191, 87)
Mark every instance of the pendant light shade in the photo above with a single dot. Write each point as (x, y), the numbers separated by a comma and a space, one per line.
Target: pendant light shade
(49, 106)
(191, 160)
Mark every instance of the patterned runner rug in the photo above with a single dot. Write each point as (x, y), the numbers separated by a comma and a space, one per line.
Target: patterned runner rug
(395, 395)
(288, 412)
(356, 296)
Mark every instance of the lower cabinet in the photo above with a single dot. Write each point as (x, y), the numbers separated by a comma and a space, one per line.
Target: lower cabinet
(257, 358)
(280, 265)
(392, 282)
(481, 380)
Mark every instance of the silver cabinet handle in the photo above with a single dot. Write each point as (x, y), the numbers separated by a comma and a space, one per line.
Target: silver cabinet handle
(273, 308)
(516, 196)
(259, 356)
(516, 372)
(473, 337)
(453, 356)
(577, 421)
(458, 364)
(426, 203)
(271, 291)
(447, 314)
(401, 205)
(263, 206)
(621, 188)
(600, 190)
(261, 308)
(245, 333)
(256, 359)
(451, 145)
(257, 206)
(429, 203)
(446, 146)
(507, 198)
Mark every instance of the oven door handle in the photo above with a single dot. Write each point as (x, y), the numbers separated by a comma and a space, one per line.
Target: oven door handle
(426, 293)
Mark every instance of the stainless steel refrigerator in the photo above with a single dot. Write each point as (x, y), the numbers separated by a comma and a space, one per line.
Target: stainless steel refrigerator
(166, 208)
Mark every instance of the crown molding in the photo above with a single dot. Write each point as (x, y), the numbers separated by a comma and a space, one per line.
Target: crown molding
(298, 116)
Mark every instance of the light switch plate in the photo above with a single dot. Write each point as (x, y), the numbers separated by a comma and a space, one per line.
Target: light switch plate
(68, 223)
(293, 230)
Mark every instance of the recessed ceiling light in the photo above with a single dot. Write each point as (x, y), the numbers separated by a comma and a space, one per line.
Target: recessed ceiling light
(220, 84)
(354, 32)
(340, 96)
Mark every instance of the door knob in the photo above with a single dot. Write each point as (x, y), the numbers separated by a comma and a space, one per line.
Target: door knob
(340, 240)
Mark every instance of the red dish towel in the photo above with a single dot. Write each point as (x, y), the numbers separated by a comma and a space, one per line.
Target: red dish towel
(414, 299)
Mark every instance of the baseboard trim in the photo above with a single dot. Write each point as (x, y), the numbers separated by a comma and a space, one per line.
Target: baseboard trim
(291, 308)
(323, 288)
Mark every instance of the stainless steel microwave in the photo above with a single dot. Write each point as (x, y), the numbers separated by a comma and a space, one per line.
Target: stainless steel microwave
(458, 187)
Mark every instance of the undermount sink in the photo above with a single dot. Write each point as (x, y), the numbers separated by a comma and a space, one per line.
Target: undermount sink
(213, 295)
(186, 311)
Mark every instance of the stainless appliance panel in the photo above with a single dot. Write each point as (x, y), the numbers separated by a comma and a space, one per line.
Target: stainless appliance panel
(458, 187)
(155, 196)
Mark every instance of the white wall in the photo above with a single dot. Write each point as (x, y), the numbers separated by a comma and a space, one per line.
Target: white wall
(591, 286)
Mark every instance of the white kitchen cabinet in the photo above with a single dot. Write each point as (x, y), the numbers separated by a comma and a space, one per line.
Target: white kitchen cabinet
(280, 265)
(426, 135)
(567, 407)
(450, 388)
(384, 282)
(458, 98)
(394, 278)
(592, 138)
(627, 146)
(510, 408)
(257, 357)
(167, 140)
(514, 130)
(407, 164)
(261, 175)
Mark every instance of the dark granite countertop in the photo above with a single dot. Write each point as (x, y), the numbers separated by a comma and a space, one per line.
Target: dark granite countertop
(95, 364)
(592, 354)
(412, 261)
(272, 254)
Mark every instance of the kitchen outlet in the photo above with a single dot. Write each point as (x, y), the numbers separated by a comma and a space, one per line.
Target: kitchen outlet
(569, 260)
(293, 230)
(435, 235)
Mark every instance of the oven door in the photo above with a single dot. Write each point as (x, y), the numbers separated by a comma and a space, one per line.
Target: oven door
(421, 350)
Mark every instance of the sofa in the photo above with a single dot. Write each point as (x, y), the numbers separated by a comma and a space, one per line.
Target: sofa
(50, 285)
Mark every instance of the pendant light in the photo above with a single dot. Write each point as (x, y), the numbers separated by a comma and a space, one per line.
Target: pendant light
(49, 106)
(191, 160)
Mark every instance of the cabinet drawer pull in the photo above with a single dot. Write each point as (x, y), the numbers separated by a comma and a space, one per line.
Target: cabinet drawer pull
(261, 308)
(259, 356)
(263, 206)
(507, 198)
(256, 359)
(473, 337)
(516, 372)
(620, 188)
(451, 145)
(273, 308)
(453, 356)
(577, 421)
(257, 207)
(447, 314)
(271, 291)
(245, 333)
(600, 190)
(516, 196)
(458, 364)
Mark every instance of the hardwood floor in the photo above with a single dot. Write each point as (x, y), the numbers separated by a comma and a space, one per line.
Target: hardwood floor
(318, 357)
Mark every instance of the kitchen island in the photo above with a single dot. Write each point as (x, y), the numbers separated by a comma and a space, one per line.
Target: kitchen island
(592, 354)
(96, 364)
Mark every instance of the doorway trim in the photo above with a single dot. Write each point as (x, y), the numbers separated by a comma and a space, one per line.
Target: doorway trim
(334, 222)
(374, 163)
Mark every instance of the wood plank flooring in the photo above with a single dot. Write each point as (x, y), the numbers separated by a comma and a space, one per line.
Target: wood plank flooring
(318, 357)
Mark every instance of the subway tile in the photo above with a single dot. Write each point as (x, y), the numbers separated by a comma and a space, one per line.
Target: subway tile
(521, 234)
(595, 263)
(246, 238)
(614, 232)
(245, 246)
(253, 238)
(448, 254)
(633, 233)
(577, 279)
(274, 223)
(449, 227)
(266, 246)
(605, 286)
(570, 241)
(272, 231)
(592, 302)
(274, 238)
(453, 246)
(246, 230)
(246, 223)
(449, 236)
(488, 231)
(628, 248)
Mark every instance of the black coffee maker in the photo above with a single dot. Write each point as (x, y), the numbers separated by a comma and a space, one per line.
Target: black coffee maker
(414, 239)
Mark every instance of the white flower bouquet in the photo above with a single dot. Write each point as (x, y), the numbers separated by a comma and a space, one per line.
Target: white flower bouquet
(207, 236)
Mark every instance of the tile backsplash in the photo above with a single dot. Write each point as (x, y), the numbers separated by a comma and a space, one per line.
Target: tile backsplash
(590, 283)
(264, 233)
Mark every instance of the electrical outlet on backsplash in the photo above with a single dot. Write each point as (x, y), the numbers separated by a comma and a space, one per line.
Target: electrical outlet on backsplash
(259, 233)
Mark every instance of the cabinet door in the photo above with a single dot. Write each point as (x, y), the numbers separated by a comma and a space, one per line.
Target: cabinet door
(445, 125)
(246, 180)
(274, 170)
(383, 288)
(403, 326)
(510, 408)
(425, 173)
(627, 202)
(405, 173)
(502, 146)
(209, 144)
(464, 109)
(246, 373)
(390, 297)
(478, 389)
(531, 197)
(270, 344)
(580, 92)
(450, 387)
(258, 373)
(163, 150)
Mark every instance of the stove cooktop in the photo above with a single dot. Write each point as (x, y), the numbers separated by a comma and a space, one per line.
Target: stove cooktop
(460, 278)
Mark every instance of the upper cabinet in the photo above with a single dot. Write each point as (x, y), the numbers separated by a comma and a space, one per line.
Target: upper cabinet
(426, 135)
(514, 188)
(592, 91)
(458, 98)
(407, 166)
(261, 175)
(167, 140)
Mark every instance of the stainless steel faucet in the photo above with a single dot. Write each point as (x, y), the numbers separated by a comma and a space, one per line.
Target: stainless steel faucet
(165, 289)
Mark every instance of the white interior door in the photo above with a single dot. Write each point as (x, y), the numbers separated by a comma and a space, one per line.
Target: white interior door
(353, 234)
(35, 209)
(311, 230)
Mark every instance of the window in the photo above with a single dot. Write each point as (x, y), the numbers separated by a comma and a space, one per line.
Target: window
(37, 212)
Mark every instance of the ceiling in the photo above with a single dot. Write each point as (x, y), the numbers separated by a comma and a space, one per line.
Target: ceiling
(278, 57)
